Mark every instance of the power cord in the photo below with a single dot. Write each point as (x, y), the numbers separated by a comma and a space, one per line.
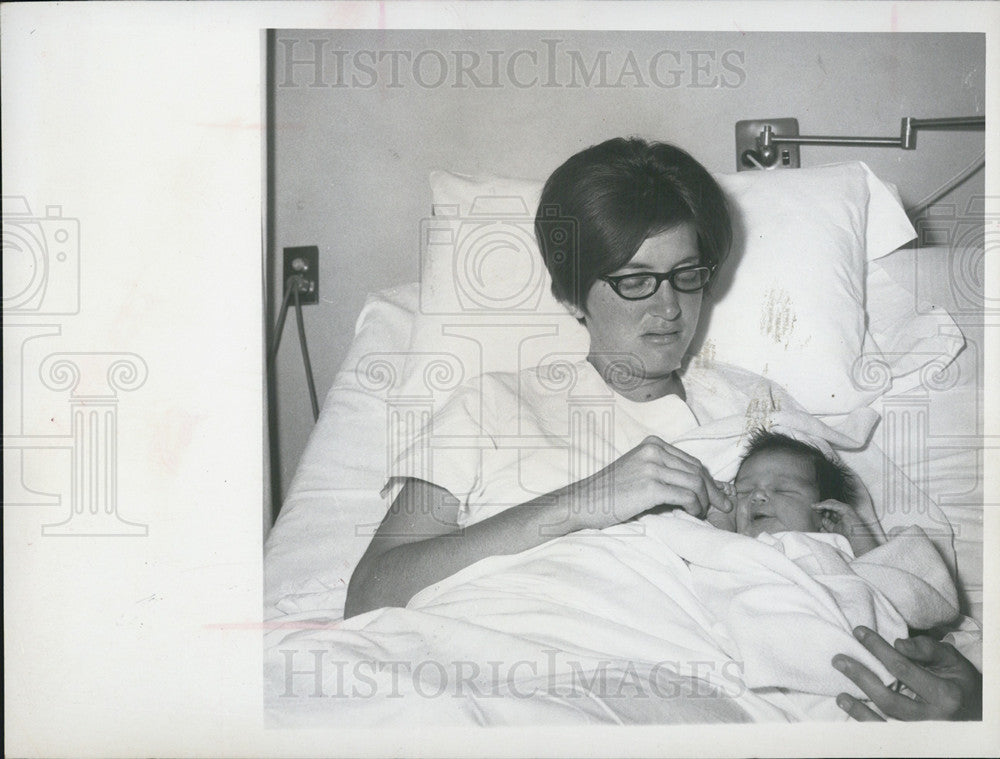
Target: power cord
(293, 286)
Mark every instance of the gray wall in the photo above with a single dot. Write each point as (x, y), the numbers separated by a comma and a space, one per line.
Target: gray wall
(351, 162)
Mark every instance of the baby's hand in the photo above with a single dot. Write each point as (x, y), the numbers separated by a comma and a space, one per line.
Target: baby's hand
(724, 520)
(729, 488)
(843, 519)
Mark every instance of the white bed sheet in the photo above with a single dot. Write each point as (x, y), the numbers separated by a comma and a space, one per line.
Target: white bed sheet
(333, 503)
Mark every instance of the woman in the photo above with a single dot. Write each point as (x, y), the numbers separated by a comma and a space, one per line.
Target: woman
(631, 233)
(638, 209)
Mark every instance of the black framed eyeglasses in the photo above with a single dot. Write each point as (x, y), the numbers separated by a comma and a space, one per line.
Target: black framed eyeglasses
(684, 279)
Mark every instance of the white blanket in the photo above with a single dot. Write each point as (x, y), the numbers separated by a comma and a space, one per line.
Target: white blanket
(592, 627)
(659, 620)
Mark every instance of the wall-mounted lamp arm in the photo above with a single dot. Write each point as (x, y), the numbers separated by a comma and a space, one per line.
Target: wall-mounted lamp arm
(907, 138)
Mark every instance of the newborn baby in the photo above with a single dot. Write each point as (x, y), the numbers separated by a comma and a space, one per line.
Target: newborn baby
(815, 566)
(783, 485)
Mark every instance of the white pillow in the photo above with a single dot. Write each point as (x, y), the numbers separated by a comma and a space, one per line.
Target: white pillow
(788, 303)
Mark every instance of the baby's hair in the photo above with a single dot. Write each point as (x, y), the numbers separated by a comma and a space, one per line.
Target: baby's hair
(833, 479)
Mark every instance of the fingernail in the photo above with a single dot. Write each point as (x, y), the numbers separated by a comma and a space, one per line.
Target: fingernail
(839, 663)
(843, 702)
(860, 633)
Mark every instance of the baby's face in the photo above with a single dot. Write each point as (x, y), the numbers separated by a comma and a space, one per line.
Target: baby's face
(775, 491)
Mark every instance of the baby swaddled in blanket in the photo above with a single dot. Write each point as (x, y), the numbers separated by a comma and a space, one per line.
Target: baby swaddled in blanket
(816, 569)
(756, 614)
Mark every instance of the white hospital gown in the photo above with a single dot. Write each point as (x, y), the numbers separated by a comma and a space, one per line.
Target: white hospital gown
(505, 439)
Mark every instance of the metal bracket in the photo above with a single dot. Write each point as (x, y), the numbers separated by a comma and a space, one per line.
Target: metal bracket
(748, 143)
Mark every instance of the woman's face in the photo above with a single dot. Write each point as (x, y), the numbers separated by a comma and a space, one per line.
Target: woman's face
(652, 334)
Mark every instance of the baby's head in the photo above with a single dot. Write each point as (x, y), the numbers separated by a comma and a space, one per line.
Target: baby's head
(779, 480)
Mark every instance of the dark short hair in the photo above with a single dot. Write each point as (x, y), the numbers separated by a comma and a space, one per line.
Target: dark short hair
(833, 479)
(612, 197)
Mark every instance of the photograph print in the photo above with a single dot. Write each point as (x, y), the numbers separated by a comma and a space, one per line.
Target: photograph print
(624, 377)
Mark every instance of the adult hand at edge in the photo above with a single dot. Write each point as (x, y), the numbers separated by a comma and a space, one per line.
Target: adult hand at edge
(947, 686)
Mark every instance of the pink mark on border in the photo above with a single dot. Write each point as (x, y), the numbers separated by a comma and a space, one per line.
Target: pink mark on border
(381, 15)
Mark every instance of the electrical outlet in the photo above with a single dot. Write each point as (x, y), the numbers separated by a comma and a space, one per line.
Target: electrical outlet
(302, 261)
(747, 133)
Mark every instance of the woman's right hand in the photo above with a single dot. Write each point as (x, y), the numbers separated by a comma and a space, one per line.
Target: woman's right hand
(652, 474)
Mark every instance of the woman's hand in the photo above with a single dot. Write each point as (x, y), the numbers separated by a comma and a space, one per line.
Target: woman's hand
(947, 686)
(844, 519)
(652, 474)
